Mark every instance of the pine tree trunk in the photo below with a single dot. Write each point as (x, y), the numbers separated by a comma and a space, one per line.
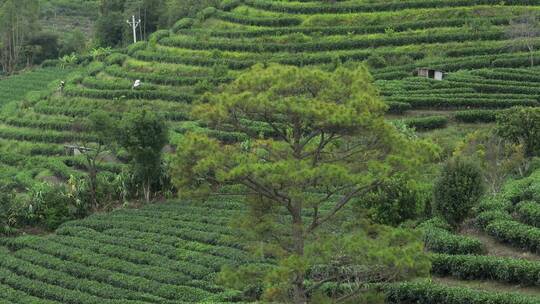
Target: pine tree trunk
(299, 290)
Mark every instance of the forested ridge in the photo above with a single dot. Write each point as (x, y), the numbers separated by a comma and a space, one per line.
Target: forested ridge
(253, 151)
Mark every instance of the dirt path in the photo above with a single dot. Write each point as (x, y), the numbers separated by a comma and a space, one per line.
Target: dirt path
(496, 248)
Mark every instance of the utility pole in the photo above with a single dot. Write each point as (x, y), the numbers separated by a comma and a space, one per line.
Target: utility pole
(134, 24)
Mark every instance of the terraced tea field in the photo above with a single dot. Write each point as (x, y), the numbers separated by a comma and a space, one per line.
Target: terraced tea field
(500, 251)
(168, 253)
(32, 148)
(179, 65)
(171, 253)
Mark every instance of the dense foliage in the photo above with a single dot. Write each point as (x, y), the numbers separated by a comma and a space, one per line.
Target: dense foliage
(521, 126)
(143, 135)
(332, 145)
(457, 191)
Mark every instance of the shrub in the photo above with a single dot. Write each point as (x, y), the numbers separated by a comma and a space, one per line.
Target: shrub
(376, 61)
(116, 58)
(427, 123)
(398, 107)
(394, 202)
(457, 190)
(183, 24)
(521, 126)
(228, 5)
(47, 205)
(529, 213)
(139, 46)
(206, 13)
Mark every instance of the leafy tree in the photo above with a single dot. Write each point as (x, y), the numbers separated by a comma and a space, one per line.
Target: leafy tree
(150, 12)
(521, 126)
(47, 46)
(331, 145)
(104, 128)
(110, 28)
(73, 42)
(17, 22)
(498, 158)
(144, 134)
(111, 23)
(459, 187)
(394, 202)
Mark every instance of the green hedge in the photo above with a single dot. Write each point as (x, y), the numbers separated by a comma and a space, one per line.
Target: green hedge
(41, 135)
(340, 30)
(476, 116)
(487, 217)
(476, 267)
(114, 84)
(117, 71)
(430, 293)
(427, 123)
(83, 112)
(398, 107)
(442, 241)
(529, 213)
(519, 75)
(345, 44)
(130, 94)
(257, 21)
(441, 102)
(163, 56)
(512, 60)
(44, 123)
(336, 8)
(515, 233)
(438, 238)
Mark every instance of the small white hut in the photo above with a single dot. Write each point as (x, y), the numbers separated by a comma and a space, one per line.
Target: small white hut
(430, 73)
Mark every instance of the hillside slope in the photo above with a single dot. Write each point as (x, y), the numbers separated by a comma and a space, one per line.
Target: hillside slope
(467, 39)
(196, 56)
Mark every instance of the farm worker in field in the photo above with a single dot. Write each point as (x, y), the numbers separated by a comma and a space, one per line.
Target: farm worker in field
(62, 85)
(136, 84)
